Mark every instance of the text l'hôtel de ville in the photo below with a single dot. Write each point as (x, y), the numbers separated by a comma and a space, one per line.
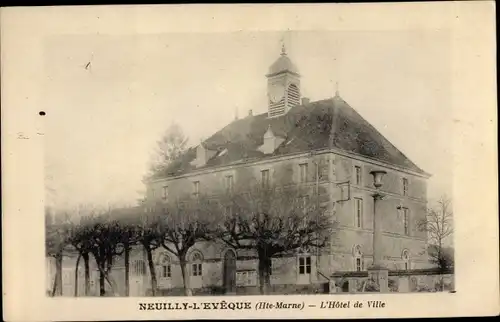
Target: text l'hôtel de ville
(262, 305)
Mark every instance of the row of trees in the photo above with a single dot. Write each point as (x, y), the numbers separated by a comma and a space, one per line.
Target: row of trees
(267, 220)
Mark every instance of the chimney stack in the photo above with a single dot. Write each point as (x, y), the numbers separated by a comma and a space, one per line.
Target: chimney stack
(250, 113)
(305, 100)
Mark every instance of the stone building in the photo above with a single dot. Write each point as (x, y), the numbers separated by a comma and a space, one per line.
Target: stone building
(323, 144)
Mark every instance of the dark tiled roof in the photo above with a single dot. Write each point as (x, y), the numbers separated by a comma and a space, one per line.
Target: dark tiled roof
(304, 127)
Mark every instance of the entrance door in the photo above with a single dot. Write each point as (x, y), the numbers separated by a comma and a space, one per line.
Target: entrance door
(229, 272)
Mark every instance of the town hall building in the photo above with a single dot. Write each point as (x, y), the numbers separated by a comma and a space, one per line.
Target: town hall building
(325, 144)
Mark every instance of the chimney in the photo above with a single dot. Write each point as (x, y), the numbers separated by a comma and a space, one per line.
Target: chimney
(305, 100)
(250, 112)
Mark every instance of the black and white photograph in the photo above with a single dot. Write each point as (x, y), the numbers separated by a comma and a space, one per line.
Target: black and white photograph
(289, 179)
(247, 164)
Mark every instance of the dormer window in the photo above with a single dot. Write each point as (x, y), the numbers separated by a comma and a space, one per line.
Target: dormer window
(271, 141)
(203, 155)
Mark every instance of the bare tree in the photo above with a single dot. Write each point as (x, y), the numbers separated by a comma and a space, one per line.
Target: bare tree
(56, 240)
(273, 220)
(80, 237)
(130, 227)
(104, 240)
(169, 148)
(129, 237)
(439, 227)
(183, 223)
(149, 236)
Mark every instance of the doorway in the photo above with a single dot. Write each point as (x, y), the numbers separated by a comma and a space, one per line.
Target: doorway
(229, 272)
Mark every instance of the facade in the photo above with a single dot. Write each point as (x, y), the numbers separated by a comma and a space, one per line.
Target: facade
(325, 145)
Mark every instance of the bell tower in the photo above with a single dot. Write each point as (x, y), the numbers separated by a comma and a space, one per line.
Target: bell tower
(283, 85)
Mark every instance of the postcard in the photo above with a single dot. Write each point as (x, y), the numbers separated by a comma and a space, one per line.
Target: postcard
(249, 161)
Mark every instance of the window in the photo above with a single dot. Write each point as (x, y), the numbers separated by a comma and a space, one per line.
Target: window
(358, 212)
(166, 271)
(153, 192)
(358, 258)
(406, 220)
(357, 173)
(304, 265)
(229, 210)
(196, 266)
(197, 269)
(265, 178)
(246, 278)
(293, 95)
(406, 259)
(303, 172)
(165, 193)
(165, 266)
(139, 267)
(196, 188)
(405, 186)
(305, 203)
(229, 183)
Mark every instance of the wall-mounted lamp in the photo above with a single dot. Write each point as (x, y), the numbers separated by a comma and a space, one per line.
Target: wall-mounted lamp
(378, 175)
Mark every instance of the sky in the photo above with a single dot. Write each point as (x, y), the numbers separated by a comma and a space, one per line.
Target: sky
(104, 118)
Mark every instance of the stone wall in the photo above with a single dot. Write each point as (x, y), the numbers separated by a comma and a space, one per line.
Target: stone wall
(276, 289)
(419, 280)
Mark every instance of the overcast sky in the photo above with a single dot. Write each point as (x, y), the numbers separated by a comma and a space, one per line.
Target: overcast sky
(103, 121)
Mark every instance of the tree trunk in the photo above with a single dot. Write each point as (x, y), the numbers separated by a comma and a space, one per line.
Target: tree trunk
(54, 285)
(127, 269)
(264, 272)
(57, 291)
(76, 273)
(185, 277)
(109, 277)
(104, 276)
(87, 273)
(152, 271)
(102, 289)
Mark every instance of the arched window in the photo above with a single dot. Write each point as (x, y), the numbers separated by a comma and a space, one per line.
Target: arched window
(196, 264)
(406, 259)
(358, 258)
(164, 265)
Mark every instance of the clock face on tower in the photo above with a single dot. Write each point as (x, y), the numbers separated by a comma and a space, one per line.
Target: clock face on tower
(276, 92)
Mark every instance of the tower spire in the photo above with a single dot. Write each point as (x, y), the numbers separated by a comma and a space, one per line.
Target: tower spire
(337, 93)
(283, 49)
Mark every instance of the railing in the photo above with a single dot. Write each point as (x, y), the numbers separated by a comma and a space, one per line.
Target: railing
(320, 273)
(423, 271)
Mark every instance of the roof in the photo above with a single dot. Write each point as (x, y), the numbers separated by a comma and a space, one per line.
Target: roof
(282, 64)
(305, 128)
